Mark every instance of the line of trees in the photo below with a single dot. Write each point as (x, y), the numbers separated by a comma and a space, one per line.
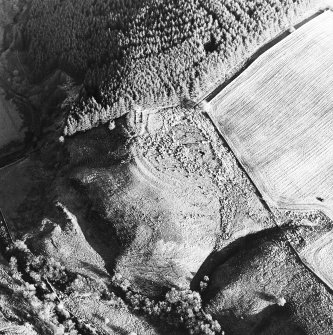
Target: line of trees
(146, 53)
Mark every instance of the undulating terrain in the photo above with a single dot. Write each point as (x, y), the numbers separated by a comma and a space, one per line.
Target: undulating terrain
(133, 138)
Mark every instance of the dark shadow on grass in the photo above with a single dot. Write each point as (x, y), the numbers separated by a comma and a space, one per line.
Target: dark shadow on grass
(103, 237)
(271, 320)
(267, 297)
(276, 320)
(217, 258)
(94, 269)
(157, 288)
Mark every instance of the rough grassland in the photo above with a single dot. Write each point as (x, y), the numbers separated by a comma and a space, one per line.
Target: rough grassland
(244, 287)
(277, 117)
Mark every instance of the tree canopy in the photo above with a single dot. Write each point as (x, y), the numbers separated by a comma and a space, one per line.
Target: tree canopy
(146, 53)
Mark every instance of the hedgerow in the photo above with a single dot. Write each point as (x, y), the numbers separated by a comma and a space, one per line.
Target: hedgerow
(179, 308)
(37, 275)
(146, 53)
(42, 279)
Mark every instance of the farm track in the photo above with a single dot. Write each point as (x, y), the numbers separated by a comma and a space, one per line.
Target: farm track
(315, 256)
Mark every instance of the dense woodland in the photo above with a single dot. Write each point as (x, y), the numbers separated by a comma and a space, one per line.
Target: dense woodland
(146, 53)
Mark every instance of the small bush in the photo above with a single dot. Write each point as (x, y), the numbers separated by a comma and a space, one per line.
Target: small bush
(35, 274)
(204, 283)
(179, 308)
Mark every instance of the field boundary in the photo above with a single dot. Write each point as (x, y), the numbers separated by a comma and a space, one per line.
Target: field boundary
(255, 178)
(210, 96)
(263, 201)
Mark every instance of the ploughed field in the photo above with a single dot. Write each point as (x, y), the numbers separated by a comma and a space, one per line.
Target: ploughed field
(318, 256)
(277, 117)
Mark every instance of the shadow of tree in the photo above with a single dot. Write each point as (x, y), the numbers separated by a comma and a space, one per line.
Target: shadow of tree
(272, 319)
(96, 270)
(217, 258)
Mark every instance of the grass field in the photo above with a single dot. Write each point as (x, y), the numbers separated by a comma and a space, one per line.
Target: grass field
(277, 117)
(10, 122)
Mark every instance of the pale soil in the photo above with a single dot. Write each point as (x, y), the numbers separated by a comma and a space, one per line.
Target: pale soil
(172, 170)
(284, 142)
(185, 147)
(289, 156)
(111, 183)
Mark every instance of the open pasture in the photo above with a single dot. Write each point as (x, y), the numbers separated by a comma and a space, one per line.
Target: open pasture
(277, 117)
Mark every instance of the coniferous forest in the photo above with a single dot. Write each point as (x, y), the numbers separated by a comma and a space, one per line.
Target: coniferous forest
(146, 53)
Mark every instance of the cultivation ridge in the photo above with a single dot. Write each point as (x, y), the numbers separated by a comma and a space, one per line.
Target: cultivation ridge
(277, 118)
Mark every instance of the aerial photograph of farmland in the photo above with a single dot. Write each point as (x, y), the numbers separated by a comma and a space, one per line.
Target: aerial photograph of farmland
(166, 167)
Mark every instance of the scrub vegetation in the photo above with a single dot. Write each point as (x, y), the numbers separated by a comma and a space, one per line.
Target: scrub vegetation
(133, 54)
(42, 279)
(149, 225)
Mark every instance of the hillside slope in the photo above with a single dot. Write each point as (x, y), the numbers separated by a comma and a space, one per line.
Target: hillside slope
(147, 53)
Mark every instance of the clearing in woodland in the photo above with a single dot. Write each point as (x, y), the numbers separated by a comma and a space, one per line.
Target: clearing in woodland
(277, 118)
